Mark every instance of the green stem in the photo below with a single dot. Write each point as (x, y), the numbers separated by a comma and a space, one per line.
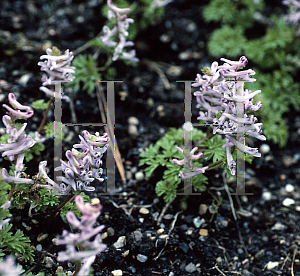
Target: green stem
(78, 266)
(45, 116)
(11, 191)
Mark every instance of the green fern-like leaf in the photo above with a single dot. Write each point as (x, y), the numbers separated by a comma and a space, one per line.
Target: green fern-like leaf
(16, 244)
(227, 41)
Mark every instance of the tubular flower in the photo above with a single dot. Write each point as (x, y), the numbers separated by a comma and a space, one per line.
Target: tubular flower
(187, 163)
(16, 112)
(17, 142)
(8, 267)
(116, 37)
(58, 69)
(82, 167)
(57, 66)
(88, 248)
(294, 14)
(221, 93)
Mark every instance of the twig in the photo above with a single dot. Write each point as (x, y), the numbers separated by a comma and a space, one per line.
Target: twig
(167, 238)
(216, 267)
(229, 195)
(292, 267)
(285, 260)
(164, 210)
(41, 127)
(154, 66)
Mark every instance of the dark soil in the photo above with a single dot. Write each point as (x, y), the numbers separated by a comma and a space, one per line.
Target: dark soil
(268, 232)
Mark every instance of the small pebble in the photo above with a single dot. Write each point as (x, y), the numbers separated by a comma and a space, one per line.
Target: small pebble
(144, 211)
(240, 251)
(132, 130)
(219, 260)
(160, 231)
(120, 242)
(49, 261)
(271, 265)
(190, 268)
(125, 254)
(139, 176)
(198, 222)
(104, 235)
(266, 196)
(137, 235)
(39, 247)
(132, 269)
(203, 209)
(203, 232)
(259, 254)
(288, 202)
(110, 231)
(141, 258)
(289, 188)
(264, 148)
(24, 79)
(95, 201)
(117, 272)
(133, 121)
(279, 226)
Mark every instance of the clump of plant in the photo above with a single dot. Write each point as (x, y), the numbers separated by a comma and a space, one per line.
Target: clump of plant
(274, 52)
(161, 154)
(115, 40)
(228, 107)
(17, 189)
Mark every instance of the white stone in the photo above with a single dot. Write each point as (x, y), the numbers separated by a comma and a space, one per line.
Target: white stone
(267, 196)
(144, 211)
(289, 188)
(271, 265)
(117, 272)
(279, 226)
(133, 121)
(133, 130)
(198, 222)
(141, 258)
(288, 202)
(120, 242)
(264, 148)
(139, 176)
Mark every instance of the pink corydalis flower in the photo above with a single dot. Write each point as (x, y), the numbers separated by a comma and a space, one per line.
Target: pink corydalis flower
(82, 240)
(16, 113)
(116, 37)
(187, 162)
(57, 66)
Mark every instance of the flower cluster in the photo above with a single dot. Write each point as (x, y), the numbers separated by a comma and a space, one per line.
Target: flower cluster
(222, 94)
(58, 67)
(82, 168)
(187, 162)
(17, 142)
(8, 267)
(294, 16)
(116, 37)
(82, 240)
